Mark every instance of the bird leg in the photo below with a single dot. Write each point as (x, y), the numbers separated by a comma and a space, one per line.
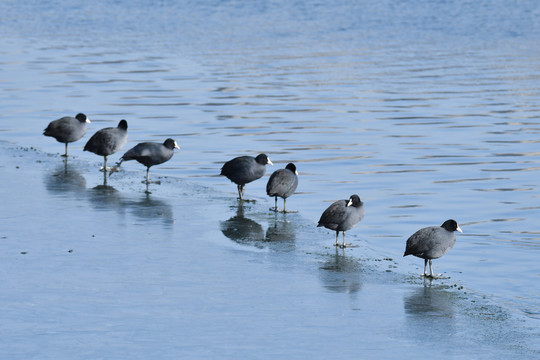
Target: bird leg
(66, 154)
(240, 191)
(147, 181)
(431, 275)
(105, 168)
(425, 274)
(284, 207)
(343, 244)
(147, 191)
(434, 276)
(275, 208)
(104, 178)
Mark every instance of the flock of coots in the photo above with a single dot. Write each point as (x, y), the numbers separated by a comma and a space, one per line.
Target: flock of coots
(428, 243)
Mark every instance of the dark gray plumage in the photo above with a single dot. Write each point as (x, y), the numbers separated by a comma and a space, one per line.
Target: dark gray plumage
(432, 242)
(245, 169)
(67, 129)
(342, 215)
(107, 141)
(150, 154)
(282, 183)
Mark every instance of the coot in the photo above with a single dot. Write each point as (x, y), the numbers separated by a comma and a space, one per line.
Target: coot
(107, 141)
(245, 169)
(282, 183)
(431, 243)
(343, 215)
(67, 129)
(149, 154)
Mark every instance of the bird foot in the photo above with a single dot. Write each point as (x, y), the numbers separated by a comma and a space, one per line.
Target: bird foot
(435, 276)
(151, 182)
(343, 246)
(247, 200)
(107, 169)
(113, 169)
(275, 209)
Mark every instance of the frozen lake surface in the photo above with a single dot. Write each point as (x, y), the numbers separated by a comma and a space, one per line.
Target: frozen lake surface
(93, 271)
(432, 115)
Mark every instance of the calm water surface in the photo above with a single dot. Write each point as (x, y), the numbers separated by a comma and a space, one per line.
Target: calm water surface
(427, 110)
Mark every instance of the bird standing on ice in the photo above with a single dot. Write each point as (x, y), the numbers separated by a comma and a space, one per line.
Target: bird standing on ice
(432, 243)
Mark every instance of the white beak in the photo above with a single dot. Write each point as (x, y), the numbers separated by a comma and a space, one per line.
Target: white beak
(349, 203)
(176, 145)
(458, 229)
(269, 162)
(88, 120)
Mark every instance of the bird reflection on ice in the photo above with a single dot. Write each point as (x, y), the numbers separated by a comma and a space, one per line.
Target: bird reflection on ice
(65, 179)
(341, 273)
(243, 230)
(279, 236)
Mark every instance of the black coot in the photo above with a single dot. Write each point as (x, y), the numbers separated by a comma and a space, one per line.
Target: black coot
(67, 129)
(149, 154)
(343, 215)
(244, 169)
(107, 141)
(431, 243)
(282, 183)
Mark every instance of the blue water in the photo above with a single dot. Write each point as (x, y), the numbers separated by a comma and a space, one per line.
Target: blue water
(428, 110)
